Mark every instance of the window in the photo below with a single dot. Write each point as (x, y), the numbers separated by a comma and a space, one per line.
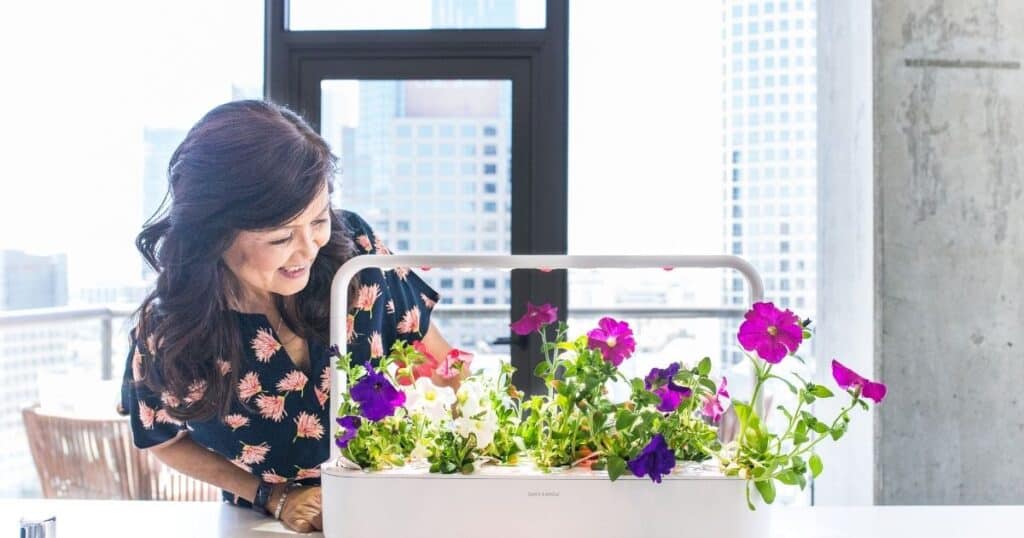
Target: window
(446, 283)
(490, 169)
(468, 283)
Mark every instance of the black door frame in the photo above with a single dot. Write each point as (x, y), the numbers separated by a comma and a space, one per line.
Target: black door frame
(535, 60)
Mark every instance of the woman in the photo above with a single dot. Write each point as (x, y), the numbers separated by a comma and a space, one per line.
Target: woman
(228, 375)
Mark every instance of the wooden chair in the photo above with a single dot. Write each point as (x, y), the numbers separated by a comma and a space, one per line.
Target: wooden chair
(86, 458)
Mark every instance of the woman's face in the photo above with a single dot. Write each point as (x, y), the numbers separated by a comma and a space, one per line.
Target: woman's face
(278, 260)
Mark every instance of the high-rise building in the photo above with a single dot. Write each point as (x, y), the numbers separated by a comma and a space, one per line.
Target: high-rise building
(770, 174)
(159, 144)
(30, 281)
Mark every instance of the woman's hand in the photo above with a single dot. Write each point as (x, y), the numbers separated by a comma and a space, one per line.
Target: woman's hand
(302, 510)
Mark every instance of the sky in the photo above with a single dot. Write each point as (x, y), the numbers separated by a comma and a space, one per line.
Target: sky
(645, 118)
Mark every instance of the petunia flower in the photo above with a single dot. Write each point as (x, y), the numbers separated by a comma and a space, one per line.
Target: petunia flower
(660, 382)
(655, 460)
(847, 379)
(713, 407)
(535, 318)
(614, 339)
(376, 396)
(482, 427)
(454, 364)
(423, 367)
(431, 400)
(349, 427)
(470, 397)
(773, 333)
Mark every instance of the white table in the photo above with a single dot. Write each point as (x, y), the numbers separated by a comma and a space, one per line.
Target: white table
(153, 519)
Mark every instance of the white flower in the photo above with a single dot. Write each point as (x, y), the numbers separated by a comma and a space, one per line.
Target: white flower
(471, 392)
(420, 452)
(432, 400)
(483, 427)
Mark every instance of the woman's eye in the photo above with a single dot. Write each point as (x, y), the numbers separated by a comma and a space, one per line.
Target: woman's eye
(319, 222)
(281, 241)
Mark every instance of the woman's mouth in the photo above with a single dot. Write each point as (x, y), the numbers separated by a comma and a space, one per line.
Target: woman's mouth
(294, 271)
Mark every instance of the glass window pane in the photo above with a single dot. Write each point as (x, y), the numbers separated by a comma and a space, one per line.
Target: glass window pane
(414, 14)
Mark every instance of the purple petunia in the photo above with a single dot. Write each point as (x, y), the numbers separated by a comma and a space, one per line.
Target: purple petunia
(535, 318)
(655, 460)
(614, 339)
(773, 333)
(377, 397)
(847, 378)
(350, 424)
(660, 382)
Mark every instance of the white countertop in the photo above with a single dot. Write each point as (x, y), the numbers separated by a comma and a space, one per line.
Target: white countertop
(156, 519)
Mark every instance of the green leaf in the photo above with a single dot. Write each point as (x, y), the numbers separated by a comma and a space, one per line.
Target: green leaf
(624, 420)
(709, 384)
(838, 431)
(788, 477)
(800, 434)
(704, 368)
(821, 391)
(616, 467)
(542, 369)
(815, 465)
(767, 490)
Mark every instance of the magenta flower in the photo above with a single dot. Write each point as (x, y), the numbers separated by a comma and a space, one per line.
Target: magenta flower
(713, 407)
(350, 426)
(847, 379)
(535, 318)
(614, 339)
(773, 333)
(377, 397)
(656, 460)
(660, 382)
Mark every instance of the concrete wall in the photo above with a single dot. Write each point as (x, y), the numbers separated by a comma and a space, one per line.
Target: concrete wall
(947, 244)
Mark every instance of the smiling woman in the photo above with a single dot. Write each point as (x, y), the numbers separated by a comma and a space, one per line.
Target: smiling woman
(228, 376)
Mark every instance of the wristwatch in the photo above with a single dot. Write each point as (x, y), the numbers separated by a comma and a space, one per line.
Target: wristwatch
(262, 497)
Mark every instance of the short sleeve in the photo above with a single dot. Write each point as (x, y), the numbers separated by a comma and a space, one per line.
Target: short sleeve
(406, 299)
(150, 422)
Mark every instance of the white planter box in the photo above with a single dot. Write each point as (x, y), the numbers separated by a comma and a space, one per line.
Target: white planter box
(521, 501)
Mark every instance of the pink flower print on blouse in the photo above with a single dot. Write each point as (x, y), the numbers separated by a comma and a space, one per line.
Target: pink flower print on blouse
(410, 321)
(271, 407)
(273, 478)
(325, 379)
(224, 366)
(390, 306)
(368, 295)
(241, 465)
(164, 418)
(235, 421)
(249, 386)
(364, 243)
(196, 391)
(137, 365)
(321, 396)
(303, 474)
(350, 328)
(146, 415)
(427, 301)
(294, 381)
(169, 399)
(402, 272)
(308, 426)
(254, 454)
(381, 249)
(376, 345)
(265, 345)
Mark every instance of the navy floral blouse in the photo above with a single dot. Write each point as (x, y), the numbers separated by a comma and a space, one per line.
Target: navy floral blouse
(278, 426)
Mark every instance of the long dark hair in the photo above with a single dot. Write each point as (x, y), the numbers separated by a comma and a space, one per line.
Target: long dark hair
(246, 165)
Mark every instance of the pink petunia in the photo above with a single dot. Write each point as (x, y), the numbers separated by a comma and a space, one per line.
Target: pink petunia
(376, 345)
(321, 396)
(249, 386)
(614, 339)
(271, 407)
(714, 407)
(364, 243)
(771, 332)
(534, 318)
(224, 366)
(169, 399)
(196, 391)
(427, 301)
(847, 379)
(146, 415)
(294, 381)
(307, 473)
(367, 296)
(454, 364)
(423, 367)
(265, 345)
(410, 321)
(235, 421)
(164, 418)
(254, 454)
(273, 478)
(308, 426)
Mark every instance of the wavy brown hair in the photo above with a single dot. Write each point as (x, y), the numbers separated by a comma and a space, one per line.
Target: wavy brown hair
(246, 165)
